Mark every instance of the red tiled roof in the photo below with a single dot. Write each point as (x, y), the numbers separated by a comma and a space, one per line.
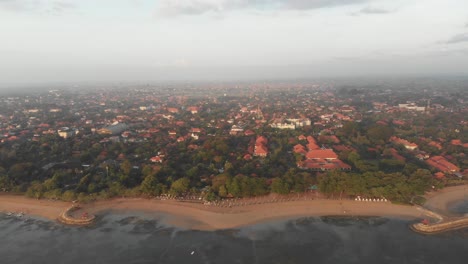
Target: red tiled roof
(249, 133)
(404, 142)
(260, 146)
(260, 149)
(299, 149)
(321, 154)
(312, 146)
(435, 144)
(442, 164)
(156, 159)
(399, 122)
(396, 155)
(261, 140)
(323, 165)
(439, 175)
(172, 110)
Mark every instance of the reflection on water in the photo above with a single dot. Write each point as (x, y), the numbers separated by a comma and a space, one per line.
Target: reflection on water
(138, 238)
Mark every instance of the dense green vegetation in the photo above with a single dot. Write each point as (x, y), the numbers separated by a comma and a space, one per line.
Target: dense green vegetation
(90, 166)
(394, 186)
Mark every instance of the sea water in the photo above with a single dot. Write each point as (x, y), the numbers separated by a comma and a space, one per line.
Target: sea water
(138, 238)
(460, 207)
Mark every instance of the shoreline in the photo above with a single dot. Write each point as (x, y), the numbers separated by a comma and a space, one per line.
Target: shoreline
(442, 200)
(438, 204)
(198, 216)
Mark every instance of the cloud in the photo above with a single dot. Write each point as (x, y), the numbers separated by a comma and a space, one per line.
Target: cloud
(458, 38)
(373, 10)
(196, 7)
(314, 4)
(17, 5)
(61, 6)
(369, 10)
(54, 7)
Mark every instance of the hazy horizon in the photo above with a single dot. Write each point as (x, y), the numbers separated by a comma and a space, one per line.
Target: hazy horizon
(54, 41)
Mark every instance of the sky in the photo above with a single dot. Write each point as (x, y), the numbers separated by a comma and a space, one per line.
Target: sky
(154, 40)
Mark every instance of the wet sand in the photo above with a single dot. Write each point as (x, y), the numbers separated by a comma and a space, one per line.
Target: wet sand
(204, 217)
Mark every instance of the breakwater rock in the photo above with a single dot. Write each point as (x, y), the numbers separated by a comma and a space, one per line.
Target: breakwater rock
(67, 217)
(446, 225)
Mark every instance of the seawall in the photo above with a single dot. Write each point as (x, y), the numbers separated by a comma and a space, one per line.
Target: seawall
(441, 226)
(66, 217)
(445, 220)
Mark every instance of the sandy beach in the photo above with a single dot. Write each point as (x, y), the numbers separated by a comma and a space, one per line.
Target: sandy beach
(43, 208)
(205, 217)
(201, 217)
(441, 200)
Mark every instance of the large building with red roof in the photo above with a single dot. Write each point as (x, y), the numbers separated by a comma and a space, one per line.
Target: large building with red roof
(312, 144)
(327, 154)
(441, 164)
(321, 160)
(261, 149)
(404, 142)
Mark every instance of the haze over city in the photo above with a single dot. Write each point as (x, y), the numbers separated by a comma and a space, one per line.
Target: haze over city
(142, 40)
(233, 131)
